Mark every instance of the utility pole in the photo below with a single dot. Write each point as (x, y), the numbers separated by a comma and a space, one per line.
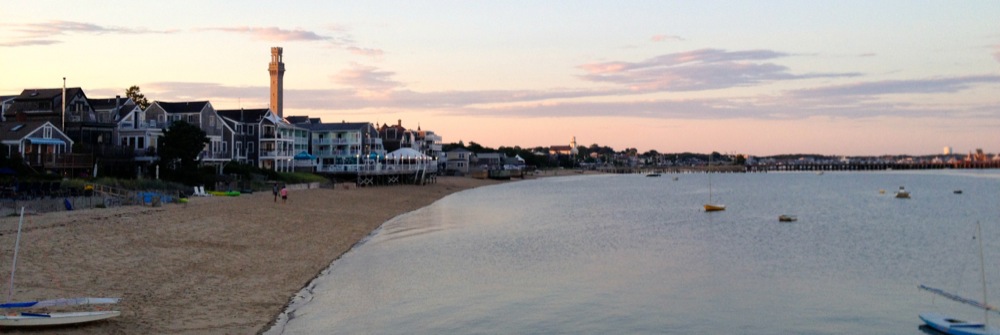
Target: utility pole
(63, 129)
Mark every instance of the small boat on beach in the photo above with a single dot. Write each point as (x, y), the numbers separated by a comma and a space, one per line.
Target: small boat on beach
(958, 192)
(787, 218)
(9, 317)
(654, 174)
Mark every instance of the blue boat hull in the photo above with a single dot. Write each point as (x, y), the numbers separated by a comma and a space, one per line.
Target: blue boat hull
(948, 325)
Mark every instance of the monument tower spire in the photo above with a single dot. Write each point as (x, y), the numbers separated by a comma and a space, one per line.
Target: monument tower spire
(277, 70)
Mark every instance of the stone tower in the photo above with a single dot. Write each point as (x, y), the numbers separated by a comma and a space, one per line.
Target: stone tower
(277, 70)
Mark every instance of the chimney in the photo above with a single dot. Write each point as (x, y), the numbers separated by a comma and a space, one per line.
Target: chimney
(399, 122)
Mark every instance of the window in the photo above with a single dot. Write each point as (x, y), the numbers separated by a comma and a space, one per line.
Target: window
(211, 122)
(239, 128)
(239, 149)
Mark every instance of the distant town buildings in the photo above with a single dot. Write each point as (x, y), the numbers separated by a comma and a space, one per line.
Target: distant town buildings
(62, 130)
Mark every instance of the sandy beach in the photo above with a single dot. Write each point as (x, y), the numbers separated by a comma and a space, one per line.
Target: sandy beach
(216, 265)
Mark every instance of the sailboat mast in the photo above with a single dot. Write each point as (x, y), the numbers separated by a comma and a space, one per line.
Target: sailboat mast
(709, 178)
(13, 266)
(982, 271)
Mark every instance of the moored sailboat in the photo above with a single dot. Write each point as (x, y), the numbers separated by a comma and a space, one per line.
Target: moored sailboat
(711, 206)
(955, 326)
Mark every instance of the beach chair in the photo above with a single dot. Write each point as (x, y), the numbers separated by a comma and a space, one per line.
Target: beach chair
(196, 193)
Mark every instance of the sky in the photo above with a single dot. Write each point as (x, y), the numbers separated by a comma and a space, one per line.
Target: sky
(749, 77)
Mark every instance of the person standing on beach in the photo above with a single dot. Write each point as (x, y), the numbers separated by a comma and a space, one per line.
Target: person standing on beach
(284, 193)
(275, 191)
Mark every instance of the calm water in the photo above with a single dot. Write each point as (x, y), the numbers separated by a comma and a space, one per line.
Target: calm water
(625, 254)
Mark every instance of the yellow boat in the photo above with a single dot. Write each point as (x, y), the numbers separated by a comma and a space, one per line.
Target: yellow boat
(714, 208)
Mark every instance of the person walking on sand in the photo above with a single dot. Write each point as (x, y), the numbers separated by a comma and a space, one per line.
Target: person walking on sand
(275, 191)
(284, 194)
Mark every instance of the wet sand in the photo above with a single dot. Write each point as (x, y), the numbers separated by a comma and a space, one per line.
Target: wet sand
(216, 265)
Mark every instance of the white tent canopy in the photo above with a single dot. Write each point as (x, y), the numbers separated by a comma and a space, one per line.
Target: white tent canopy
(405, 153)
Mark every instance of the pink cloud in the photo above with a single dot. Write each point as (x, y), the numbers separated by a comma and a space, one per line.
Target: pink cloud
(40, 33)
(274, 34)
(366, 79)
(364, 51)
(661, 38)
(599, 68)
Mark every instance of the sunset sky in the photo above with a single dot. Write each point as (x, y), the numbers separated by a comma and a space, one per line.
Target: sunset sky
(754, 77)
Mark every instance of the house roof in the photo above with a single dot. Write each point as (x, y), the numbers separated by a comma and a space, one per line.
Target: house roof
(342, 126)
(109, 103)
(18, 129)
(182, 107)
(244, 115)
(47, 93)
(125, 105)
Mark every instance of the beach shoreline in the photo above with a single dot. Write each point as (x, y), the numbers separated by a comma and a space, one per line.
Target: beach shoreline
(216, 265)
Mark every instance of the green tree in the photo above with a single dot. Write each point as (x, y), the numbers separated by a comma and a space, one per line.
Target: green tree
(136, 95)
(180, 145)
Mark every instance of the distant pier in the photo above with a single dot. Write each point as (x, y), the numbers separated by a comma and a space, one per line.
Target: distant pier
(870, 166)
(803, 166)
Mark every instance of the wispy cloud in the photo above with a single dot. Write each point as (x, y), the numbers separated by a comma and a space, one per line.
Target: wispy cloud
(921, 86)
(41, 33)
(57, 27)
(274, 34)
(25, 43)
(367, 80)
(364, 51)
(663, 38)
(697, 70)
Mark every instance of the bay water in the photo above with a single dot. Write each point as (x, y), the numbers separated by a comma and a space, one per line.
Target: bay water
(630, 254)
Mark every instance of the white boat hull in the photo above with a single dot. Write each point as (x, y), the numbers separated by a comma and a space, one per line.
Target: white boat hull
(948, 325)
(53, 319)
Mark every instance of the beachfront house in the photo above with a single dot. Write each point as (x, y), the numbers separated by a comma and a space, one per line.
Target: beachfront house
(135, 132)
(490, 160)
(78, 120)
(393, 136)
(40, 144)
(457, 161)
(342, 147)
(264, 140)
(202, 115)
